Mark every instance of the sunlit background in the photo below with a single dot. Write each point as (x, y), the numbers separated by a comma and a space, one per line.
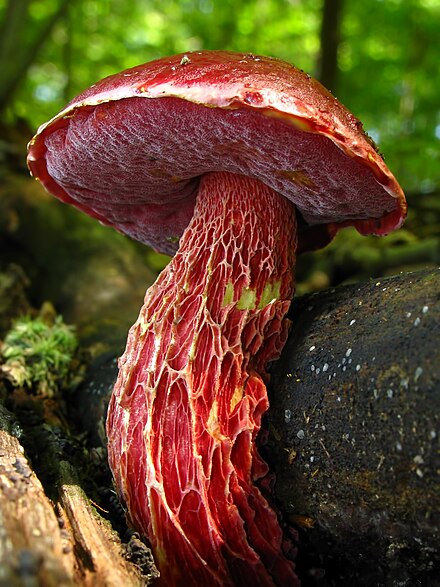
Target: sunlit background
(386, 72)
(387, 57)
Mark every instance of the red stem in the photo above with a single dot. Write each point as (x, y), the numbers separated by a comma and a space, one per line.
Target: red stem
(190, 396)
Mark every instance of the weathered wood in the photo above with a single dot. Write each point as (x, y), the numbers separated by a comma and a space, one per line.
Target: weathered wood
(353, 430)
(97, 546)
(32, 545)
(65, 542)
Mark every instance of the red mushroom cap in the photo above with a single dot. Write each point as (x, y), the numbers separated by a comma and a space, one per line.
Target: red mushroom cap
(134, 162)
(136, 151)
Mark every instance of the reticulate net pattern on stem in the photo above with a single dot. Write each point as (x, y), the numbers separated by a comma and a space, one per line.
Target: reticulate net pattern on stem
(190, 395)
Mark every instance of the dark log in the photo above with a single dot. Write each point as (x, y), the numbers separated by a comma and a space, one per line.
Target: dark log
(353, 431)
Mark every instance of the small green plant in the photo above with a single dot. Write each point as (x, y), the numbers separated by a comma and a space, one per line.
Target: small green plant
(37, 353)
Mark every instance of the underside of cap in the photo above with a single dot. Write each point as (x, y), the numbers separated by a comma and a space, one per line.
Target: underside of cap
(134, 161)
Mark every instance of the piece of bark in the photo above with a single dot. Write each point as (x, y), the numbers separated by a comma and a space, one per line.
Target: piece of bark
(353, 431)
(66, 543)
(32, 545)
(97, 546)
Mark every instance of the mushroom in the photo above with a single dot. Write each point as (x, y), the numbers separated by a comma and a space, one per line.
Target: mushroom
(237, 162)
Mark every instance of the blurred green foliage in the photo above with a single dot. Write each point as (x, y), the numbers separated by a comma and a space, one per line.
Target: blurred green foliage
(388, 65)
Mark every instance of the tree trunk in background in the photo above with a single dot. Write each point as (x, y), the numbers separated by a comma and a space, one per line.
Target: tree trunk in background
(16, 55)
(327, 70)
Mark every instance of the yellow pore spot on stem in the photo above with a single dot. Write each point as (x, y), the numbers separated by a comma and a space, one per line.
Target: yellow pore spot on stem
(237, 396)
(248, 296)
(212, 424)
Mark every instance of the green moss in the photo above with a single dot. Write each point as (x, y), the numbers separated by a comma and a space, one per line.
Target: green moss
(37, 354)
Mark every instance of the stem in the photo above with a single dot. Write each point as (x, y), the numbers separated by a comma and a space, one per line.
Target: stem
(189, 399)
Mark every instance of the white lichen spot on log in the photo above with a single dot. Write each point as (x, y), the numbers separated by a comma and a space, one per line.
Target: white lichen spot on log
(417, 374)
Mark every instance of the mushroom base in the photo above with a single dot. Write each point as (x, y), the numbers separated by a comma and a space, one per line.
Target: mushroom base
(188, 402)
